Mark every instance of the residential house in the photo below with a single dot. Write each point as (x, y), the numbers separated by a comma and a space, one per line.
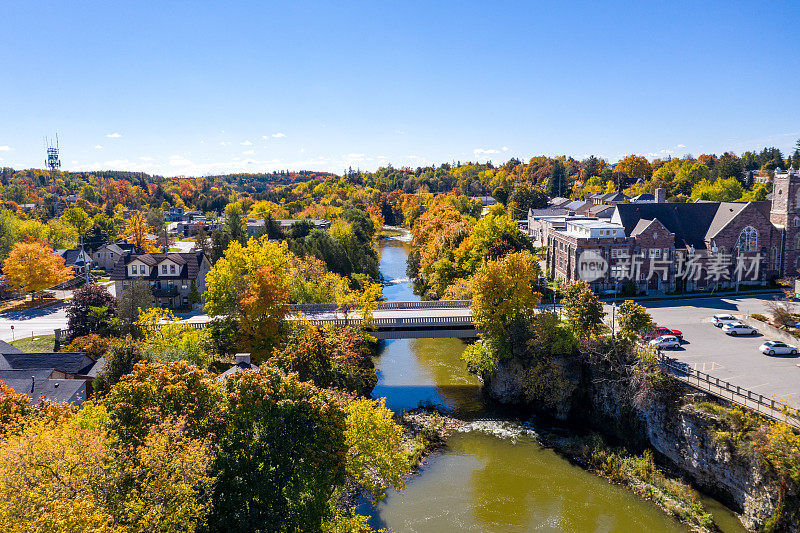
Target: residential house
(64, 377)
(170, 275)
(242, 364)
(612, 198)
(107, 255)
(79, 260)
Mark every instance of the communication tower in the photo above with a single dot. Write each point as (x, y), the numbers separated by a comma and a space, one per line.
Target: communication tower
(53, 162)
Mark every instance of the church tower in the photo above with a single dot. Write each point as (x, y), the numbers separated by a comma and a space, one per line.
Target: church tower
(785, 213)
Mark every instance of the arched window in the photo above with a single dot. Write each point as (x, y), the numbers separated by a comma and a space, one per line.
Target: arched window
(748, 239)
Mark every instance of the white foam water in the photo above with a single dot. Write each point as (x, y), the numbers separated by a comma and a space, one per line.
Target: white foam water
(500, 429)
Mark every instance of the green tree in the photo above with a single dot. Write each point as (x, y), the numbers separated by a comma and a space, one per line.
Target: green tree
(633, 320)
(92, 310)
(137, 297)
(557, 181)
(281, 455)
(584, 310)
(235, 223)
(78, 219)
(504, 292)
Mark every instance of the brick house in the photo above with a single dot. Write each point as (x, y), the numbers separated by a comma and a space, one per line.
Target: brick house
(107, 255)
(170, 275)
(668, 247)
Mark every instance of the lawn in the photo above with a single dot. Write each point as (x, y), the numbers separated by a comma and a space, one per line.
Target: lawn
(39, 343)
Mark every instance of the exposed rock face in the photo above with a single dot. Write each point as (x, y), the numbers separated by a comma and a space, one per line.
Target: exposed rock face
(682, 435)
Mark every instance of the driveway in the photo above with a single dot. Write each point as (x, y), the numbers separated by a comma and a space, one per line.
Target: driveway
(735, 359)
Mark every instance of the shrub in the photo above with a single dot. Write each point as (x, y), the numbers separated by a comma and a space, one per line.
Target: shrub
(94, 345)
(759, 316)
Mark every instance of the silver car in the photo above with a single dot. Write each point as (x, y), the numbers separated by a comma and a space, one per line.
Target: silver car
(721, 320)
(738, 328)
(777, 348)
(665, 341)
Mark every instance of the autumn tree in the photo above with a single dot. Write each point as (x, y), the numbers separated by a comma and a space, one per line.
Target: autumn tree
(32, 266)
(137, 231)
(584, 310)
(504, 292)
(633, 320)
(78, 219)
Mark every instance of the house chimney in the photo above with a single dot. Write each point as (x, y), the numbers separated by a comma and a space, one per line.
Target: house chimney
(661, 195)
(242, 358)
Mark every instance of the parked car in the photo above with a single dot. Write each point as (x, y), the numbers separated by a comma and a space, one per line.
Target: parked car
(665, 341)
(777, 348)
(661, 331)
(721, 320)
(738, 328)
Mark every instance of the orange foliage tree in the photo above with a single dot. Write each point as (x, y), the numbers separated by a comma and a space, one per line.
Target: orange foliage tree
(32, 266)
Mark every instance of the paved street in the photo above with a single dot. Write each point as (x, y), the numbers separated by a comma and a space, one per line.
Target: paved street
(735, 359)
(38, 322)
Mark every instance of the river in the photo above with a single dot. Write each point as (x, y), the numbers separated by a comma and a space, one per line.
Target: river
(495, 476)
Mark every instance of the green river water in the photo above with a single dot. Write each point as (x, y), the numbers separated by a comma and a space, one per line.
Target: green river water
(495, 476)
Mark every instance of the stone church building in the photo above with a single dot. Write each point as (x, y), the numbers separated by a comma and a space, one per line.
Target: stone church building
(668, 247)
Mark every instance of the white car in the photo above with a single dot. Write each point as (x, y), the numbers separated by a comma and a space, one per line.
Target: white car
(777, 348)
(721, 320)
(665, 341)
(737, 328)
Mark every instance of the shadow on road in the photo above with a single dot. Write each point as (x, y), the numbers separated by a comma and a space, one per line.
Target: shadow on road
(28, 314)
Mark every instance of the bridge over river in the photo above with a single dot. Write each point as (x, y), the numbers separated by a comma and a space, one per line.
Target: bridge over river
(400, 320)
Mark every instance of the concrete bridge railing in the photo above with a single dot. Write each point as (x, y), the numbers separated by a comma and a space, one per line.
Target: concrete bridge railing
(432, 304)
(419, 322)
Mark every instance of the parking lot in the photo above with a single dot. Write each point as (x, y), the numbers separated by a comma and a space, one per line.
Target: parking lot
(735, 359)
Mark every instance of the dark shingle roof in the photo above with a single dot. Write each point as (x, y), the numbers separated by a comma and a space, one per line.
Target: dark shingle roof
(7, 348)
(689, 222)
(548, 212)
(56, 390)
(188, 262)
(75, 363)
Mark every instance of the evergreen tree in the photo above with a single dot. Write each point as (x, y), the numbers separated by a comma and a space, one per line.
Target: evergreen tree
(557, 184)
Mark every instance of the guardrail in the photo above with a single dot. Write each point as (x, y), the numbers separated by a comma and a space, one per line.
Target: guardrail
(774, 409)
(427, 304)
(399, 322)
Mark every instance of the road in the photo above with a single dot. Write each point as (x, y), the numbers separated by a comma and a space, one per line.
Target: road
(735, 359)
(37, 321)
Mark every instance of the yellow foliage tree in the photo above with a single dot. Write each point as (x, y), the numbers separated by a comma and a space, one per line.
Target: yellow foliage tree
(137, 231)
(32, 266)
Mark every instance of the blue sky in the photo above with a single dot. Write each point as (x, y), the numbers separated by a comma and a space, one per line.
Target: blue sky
(189, 88)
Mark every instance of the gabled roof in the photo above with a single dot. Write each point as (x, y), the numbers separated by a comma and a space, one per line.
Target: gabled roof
(646, 197)
(599, 209)
(74, 363)
(575, 205)
(689, 222)
(238, 367)
(644, 224)
(558, 201)
(7, 348)
(71, 256)
(729, 210)
(189, 263)
(56, 390)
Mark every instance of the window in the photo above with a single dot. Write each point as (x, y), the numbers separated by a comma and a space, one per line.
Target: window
(748, 239)
(616, 253)
(172, 269)
(163, 269)
(133, 269)
(797, 220)
(655, 253)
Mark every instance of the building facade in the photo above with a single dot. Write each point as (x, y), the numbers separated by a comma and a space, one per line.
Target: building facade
(170, 276)
(667, 247)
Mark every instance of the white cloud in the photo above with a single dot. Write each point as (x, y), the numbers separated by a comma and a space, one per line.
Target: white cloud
(279, 135)
(681, 146)
(355, 156)
(265, 137)
(249, 152)
(5, 148)
(400, 132)
(484, 151)
(246, 143)
(98, 146)
(302, 150)
(505, 148)
(179, 161)
(146, 158)
(224, 143)
(114, 135)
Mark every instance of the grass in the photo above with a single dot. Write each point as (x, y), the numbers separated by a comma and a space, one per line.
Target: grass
(174, 249)
(40, 343)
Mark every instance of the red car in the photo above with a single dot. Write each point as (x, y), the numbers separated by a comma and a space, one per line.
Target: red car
(661, 330)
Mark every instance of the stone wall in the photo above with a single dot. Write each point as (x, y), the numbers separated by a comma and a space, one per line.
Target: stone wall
(682, 436)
